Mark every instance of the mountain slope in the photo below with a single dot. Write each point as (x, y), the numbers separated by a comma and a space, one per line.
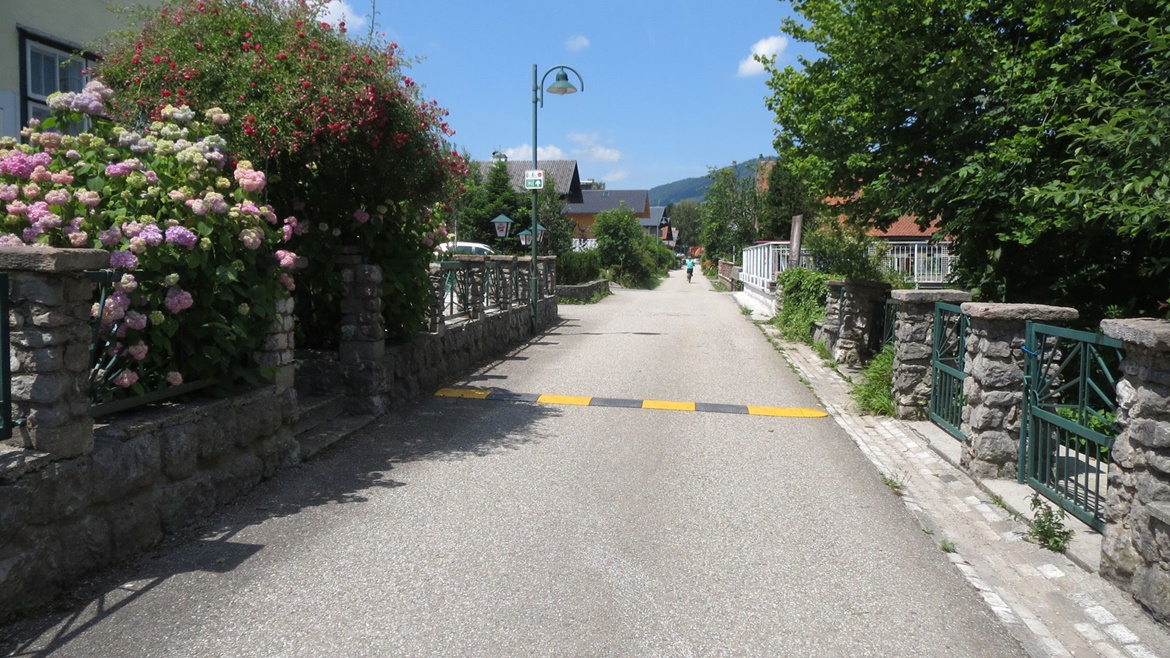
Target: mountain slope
(693, 188)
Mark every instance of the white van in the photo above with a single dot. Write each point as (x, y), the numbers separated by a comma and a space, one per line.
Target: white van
(473, 248)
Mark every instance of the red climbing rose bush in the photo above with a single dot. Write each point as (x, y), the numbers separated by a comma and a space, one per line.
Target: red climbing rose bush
(348, 142)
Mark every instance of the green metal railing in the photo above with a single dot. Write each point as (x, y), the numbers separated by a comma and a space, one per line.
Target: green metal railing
(5, 362)
(456, 289)
(1068, 425)
(948, 356)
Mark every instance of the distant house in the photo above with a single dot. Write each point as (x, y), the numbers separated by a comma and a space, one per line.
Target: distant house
(38, 41)
(563, 172)
(593, 202)
(652, 225)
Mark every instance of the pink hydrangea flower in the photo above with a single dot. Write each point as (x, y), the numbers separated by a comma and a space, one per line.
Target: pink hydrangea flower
(123, 260)
(57, 197)
(174, 378)
(288, 260)
(126, 379)
(287, 282)
(181, 235)
(361, 215)
(138, 350)
(178, 300)
(251, 238)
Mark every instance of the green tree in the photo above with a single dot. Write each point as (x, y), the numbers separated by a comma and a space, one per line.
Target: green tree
(730, 214)
(486, 200)
(618, 233)
(786, 196)
(551, 210)
(687, 218)
(974, 110)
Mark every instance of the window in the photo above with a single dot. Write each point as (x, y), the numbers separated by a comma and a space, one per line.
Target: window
(48, 67)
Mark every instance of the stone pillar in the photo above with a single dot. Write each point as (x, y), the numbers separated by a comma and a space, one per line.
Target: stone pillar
(278, 350)
(857, 301)
(913, 346)
(1135, 550)
(828, 330)
(477, 272)
(436, 325)
(363, 334)
(51, 332)
(994, 387)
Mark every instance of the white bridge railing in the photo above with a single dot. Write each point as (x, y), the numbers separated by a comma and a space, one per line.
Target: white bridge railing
(923, 263)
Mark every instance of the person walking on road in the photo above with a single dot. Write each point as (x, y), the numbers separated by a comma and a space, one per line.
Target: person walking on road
(690, 268)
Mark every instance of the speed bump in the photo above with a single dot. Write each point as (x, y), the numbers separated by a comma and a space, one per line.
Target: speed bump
(500, 395)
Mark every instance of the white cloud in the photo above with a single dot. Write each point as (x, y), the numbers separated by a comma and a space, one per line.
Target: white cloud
(576, 44)
(340, 10)
(769, 47)
(588, 147)
(524, 153)
(616, 176)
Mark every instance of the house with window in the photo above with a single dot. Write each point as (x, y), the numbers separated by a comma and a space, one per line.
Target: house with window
(594, 202)
(44, 48)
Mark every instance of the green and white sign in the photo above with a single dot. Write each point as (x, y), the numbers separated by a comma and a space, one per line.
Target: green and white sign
(534, 179)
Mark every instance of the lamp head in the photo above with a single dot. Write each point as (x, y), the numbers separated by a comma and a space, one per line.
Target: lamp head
(562, 85)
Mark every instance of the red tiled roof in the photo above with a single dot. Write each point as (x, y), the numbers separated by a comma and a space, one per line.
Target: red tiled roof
(905, 227)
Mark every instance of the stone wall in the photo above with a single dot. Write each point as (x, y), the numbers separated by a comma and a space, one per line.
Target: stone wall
(913, 347)
(76, 497)
(1136, 545)
(582, 292)
(850, 311)
(994, 388)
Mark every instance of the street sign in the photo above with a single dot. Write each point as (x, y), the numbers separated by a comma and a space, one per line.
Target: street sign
(534, 179)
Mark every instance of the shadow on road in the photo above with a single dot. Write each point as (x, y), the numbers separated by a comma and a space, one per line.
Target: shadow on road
(343, 474)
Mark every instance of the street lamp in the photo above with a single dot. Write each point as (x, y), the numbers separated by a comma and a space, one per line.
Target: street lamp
(502, 224)
(560, 87)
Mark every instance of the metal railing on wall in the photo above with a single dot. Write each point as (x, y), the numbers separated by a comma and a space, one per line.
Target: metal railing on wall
(922, 263)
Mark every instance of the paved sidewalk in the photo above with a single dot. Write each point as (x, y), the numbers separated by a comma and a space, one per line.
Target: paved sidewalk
(1054, 604)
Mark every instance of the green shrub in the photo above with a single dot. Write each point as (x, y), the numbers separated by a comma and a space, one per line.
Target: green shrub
(575, 267)
(348, 142)
(803, 292)
(875, 393)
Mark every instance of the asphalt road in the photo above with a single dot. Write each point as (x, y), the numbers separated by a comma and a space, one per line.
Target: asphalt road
(481, 528)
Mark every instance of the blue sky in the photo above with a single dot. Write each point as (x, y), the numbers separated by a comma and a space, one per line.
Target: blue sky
(669, 87)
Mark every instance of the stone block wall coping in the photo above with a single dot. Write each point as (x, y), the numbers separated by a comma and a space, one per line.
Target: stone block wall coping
(1021, 312)
(46, 259)
(1151, 333)
(931, 296)
(858, 283)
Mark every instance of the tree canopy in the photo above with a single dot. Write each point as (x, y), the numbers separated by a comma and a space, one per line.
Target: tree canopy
(1025, 130)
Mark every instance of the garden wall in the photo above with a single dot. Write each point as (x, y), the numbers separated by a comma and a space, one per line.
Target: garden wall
(76, 496)
(582, 292)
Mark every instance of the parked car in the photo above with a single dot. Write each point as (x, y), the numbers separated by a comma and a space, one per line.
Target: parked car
(473, 248)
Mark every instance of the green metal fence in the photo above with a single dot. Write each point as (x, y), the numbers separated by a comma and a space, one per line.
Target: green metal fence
(948, 356)
(1068, 425)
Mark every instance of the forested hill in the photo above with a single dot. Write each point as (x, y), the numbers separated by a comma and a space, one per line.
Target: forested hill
(692, 188)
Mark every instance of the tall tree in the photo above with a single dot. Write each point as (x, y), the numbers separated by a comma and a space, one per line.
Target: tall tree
(730, 214)
(486, 201)
(960, 122)
(687, 218)
(786, 196)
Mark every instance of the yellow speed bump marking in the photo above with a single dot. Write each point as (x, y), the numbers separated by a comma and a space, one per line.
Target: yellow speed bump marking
(787, 412)
(575, 400)
(668, 405)
(464, 393)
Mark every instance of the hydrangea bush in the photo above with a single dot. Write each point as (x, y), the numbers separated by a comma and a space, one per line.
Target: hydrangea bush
(347, 140)
(195, 254)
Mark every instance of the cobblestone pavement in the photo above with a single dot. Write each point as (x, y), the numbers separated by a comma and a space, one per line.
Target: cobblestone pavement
(1053, 605)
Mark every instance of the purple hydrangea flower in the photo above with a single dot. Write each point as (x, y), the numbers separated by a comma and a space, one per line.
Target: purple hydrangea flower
(181, 235)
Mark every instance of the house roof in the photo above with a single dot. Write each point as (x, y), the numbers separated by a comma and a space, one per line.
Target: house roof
(655, 217)
(563, 172)
(906, 227)
(595, 201)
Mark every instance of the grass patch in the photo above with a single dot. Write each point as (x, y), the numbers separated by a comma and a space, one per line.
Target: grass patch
(875, 393)
(1048, 526)
(947, 546)
(896, 484)
(596, 297)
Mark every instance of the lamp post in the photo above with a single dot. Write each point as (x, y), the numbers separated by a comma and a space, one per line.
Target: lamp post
(560, 87)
